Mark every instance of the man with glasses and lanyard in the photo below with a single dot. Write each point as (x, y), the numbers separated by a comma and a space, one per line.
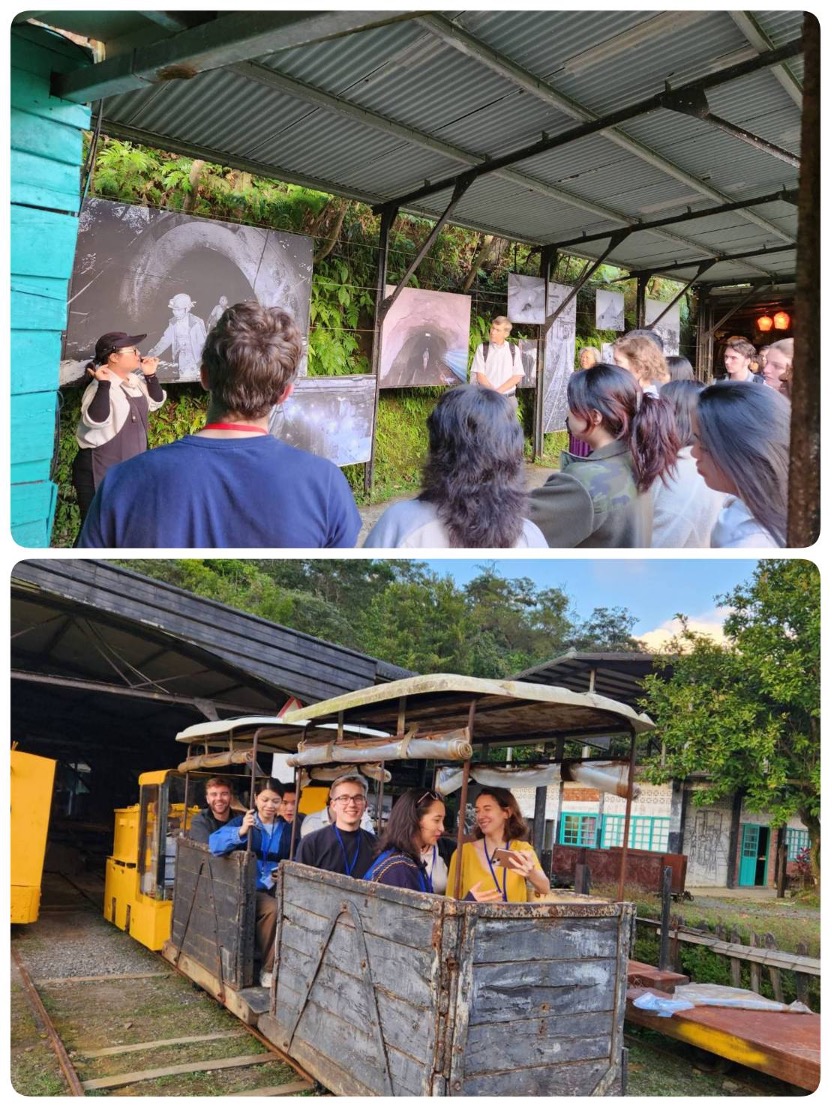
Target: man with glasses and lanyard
(344, 846)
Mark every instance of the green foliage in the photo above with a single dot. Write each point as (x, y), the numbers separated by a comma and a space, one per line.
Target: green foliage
(746, 712)
(397, 610)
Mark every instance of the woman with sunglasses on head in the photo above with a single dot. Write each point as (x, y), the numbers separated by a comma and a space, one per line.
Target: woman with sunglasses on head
(412, 853)
(269, 836)
(114, 410)
(508, 872)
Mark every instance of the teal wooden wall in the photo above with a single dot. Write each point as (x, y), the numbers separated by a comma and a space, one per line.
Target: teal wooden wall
(46, 152)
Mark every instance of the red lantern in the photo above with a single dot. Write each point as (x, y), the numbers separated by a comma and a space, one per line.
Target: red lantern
(765, 323)
(782, 320)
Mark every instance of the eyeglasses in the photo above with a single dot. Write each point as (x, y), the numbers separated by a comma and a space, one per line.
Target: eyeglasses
(359, 798)
(129, 350)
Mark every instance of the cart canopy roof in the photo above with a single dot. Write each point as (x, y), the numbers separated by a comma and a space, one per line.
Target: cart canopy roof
(512, 712)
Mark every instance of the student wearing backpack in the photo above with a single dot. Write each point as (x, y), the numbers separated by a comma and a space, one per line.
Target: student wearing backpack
(497, 363)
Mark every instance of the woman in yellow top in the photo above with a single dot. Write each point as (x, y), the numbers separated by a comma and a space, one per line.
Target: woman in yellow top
(500, 826)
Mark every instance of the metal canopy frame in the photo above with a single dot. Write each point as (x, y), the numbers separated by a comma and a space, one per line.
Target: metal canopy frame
(291, 57)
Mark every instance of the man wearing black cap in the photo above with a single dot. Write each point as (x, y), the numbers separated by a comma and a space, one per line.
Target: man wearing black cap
(114, 411)
(231, 484)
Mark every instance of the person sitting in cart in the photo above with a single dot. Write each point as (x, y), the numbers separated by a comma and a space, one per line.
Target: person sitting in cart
(216, 814)
(411, 851)
(344, 846)
(501, 828)
(269, 837)
(288, 813)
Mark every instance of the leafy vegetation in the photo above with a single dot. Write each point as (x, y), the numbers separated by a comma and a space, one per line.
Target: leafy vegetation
(345, 235)
(745, 715)
(404, 612)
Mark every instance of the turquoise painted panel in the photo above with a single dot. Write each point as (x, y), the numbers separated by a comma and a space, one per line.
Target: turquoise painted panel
(32, 511)
(39, 50)
(33, 417)
(32, 134)
(42, 243)
(35, 358)
(26, 473)
(38, 304)
(31, 93)
(43, 183)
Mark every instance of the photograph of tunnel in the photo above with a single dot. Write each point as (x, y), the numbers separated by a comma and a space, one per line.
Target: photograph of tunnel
(171, 276)
(424, 339)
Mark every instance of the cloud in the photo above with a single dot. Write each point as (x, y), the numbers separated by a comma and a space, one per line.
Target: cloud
(708, 623)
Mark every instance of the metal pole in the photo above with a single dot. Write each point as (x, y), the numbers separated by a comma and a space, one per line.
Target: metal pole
(664, 934)
(546, 256)
(641, 295)
(463, 803)
(388, 218)
(627, 813)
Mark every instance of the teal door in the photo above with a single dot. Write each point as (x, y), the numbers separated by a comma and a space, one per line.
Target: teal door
(754, 854)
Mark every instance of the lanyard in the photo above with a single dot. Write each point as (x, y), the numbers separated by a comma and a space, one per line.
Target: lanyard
(234, 427)
(349, 865)
(267, 849)
(425, 882)
(493, 874)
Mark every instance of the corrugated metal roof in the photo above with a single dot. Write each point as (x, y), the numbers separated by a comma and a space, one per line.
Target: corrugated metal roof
(439, 105)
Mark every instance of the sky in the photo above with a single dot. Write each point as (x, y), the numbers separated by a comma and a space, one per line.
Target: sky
(654, 590)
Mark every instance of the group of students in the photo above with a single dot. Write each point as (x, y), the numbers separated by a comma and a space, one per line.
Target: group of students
(653, 461)
(499, 864)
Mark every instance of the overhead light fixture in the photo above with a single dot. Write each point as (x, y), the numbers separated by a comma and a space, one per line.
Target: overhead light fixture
(782, 320)
(765, 323)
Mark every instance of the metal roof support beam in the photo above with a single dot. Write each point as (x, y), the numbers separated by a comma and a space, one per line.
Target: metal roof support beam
(83, 685)
(749, 26)
(220, 42)
(461, 187)
(643, 107)
(762, 286)
(467, 44)
(695, 104)
(681, 293)
(788, 196)
(713, 261)
(547, 255)
(589, 269)
(388, 218)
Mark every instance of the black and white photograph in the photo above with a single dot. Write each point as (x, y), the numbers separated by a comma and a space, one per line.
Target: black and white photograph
(329, 416)
(669, 325)
(526, 296)
(170, 276)
(560, 358)
(424, 339)
(609, 310)
(528, 356)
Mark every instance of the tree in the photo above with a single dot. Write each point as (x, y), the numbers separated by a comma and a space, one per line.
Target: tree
(747, 712)
(608, 629)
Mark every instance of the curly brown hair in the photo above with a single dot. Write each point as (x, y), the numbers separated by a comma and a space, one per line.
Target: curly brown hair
(646, 360)
(250, 358)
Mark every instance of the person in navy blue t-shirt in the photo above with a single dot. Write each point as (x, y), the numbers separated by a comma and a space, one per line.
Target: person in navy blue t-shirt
(231, 484)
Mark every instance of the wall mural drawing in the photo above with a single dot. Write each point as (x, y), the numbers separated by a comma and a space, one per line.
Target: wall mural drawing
(329, 416)
(526, 299)
(560, 359)
(424, 339)
(609, 310)
(668, 328)
(171, 276)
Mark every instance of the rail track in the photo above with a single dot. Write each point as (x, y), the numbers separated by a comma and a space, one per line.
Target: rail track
(137, 1028)
(117, 1020)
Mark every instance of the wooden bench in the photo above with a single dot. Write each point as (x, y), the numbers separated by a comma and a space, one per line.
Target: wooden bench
(785, 1045)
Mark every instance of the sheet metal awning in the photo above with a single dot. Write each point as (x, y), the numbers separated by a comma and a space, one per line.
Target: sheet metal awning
(108, 663)
(595, 120)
